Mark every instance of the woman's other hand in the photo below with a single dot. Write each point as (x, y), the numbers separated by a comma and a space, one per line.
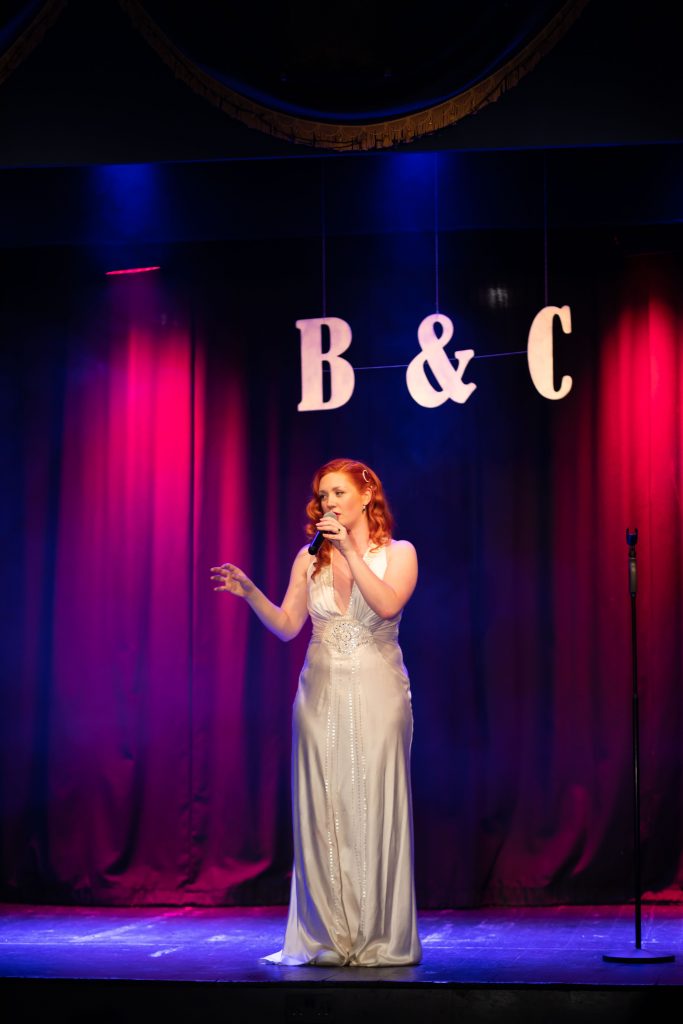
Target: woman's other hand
(230, 578)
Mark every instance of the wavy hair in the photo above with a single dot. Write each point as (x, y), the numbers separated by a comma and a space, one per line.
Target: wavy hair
(380, 519)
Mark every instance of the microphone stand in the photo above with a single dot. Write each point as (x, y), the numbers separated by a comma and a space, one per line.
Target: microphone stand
(638, 955)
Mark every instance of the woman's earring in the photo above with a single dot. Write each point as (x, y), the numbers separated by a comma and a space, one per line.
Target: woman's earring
(365, 508)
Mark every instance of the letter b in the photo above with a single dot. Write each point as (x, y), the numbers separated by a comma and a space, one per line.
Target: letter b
(342, 377)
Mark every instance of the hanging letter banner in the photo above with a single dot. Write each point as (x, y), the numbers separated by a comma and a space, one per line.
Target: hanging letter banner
(449, 382)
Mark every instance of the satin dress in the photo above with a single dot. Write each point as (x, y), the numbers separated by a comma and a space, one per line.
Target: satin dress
(352, 896)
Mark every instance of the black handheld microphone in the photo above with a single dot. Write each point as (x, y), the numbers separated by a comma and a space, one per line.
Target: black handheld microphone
(632, 540)
(314, 546)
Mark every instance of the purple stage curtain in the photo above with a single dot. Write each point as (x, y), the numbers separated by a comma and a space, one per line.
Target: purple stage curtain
(150, 430)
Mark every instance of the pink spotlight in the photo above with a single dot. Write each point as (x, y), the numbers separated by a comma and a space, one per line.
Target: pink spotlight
(131, 270)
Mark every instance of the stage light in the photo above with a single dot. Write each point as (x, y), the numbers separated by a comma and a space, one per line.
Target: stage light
(131, 270)
(497, 297)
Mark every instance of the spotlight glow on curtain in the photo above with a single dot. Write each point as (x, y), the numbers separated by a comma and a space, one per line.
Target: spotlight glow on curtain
(145, 733)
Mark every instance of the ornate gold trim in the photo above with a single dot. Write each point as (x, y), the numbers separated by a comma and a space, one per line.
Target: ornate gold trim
(26, 41)
(345, 137)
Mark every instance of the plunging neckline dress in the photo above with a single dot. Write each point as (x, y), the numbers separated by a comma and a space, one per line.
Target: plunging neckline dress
(352, 897)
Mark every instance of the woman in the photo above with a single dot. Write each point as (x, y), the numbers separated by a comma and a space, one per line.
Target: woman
(352, 896)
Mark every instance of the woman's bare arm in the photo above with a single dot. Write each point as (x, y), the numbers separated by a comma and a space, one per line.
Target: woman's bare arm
(284, 620)
(388, 596)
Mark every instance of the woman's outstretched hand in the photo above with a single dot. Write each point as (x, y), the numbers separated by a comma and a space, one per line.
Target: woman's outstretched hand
(231, 579)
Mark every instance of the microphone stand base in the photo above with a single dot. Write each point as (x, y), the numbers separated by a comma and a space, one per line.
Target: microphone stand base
(638, 956)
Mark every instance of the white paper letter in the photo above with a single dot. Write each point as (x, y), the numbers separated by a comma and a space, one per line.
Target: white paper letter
(432, 353)
(540, 351)
(342, 377)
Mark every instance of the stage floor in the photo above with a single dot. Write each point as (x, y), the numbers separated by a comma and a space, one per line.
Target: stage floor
(477, 955)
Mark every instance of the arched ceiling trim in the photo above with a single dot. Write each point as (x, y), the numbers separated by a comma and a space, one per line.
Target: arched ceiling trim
(330, 133)
(21, 33)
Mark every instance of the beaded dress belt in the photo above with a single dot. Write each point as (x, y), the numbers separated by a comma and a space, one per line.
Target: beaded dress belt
(345, 636)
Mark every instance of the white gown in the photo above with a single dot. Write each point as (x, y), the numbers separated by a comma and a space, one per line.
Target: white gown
(352, 896)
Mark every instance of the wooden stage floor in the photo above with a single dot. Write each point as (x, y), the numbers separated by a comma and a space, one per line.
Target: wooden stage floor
(502, 964)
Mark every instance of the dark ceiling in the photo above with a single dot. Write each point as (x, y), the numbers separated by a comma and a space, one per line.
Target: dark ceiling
(94, 91)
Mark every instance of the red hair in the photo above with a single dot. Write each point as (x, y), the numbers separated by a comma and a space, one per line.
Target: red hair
(380, 519)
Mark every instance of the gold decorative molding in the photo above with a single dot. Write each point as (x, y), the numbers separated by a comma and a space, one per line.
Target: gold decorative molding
(26, 41)
(346, 137)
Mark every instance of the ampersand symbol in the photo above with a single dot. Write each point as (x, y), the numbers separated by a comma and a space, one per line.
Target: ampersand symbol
(433, 352)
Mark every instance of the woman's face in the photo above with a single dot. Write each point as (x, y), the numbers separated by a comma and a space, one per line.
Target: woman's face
(338, 493)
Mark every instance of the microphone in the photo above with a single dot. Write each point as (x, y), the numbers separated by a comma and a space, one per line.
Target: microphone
(316, 543)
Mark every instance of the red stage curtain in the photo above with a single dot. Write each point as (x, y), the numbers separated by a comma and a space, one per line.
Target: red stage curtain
(146, 719)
